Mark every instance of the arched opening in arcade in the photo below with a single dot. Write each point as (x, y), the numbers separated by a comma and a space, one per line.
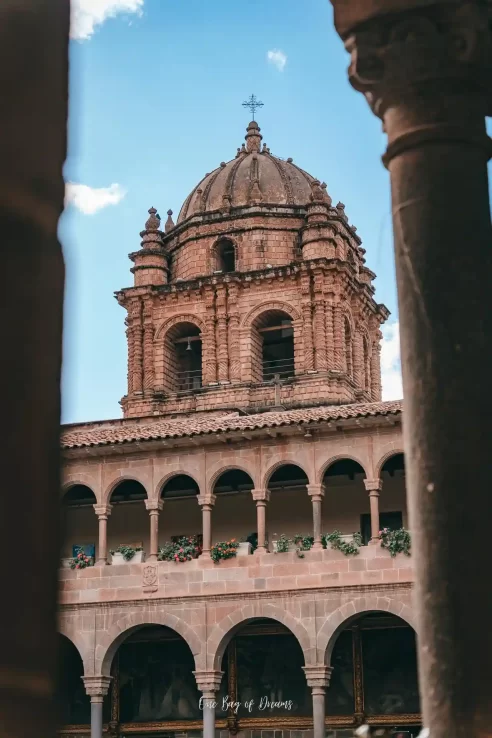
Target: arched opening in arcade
(346, 500)
(234, 513)
(225, 256)
(79, 522)
(289, 511)
(374, 678)
(128, 523)
(154, 686)
(262, 662)
(181, 516)
(72, 701)
(272, 346)
(183, 358)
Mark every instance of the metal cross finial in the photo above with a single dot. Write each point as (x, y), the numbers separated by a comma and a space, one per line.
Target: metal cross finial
(252, 103)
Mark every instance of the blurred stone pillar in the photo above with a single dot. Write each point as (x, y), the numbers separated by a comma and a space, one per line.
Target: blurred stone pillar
(33, 118)
(425, 67)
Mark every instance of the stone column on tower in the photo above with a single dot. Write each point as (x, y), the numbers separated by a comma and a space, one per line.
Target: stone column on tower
(307, 320)
(233, 333)
(135, 340)
(221, 342)
(376, 368)
(319, 323)
(209, 359)
(148, 347)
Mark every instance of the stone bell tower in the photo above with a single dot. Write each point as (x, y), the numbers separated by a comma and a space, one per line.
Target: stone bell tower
(258, 297)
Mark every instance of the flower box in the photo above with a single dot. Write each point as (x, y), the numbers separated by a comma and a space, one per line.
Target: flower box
(291, 547)
(66, 563)
(117, 558)
(245, 548)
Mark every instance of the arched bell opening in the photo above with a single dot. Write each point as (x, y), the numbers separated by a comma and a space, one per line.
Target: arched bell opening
(183, 358)
(272, 346)
(225, 256)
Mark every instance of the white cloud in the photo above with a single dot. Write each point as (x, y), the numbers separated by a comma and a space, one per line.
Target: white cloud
(390, 363)
(277, 58)
(91, 199)
(87, 14)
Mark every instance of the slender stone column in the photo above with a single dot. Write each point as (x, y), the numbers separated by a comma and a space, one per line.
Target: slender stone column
(103, 512)
(206, 502)
(154, 507)
(426, 71)
(261, 497)
(318, 678)
(374, 486)
(208, 683)
(316, 493)
(97, 688)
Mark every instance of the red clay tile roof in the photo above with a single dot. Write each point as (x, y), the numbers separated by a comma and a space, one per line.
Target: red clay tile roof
(189, 426)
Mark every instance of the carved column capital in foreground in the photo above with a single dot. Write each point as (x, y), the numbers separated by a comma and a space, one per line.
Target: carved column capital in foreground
(417, 65)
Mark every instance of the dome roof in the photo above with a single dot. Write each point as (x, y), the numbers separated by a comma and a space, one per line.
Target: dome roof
(253, 177)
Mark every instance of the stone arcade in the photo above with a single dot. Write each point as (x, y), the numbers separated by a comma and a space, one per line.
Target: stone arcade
(253, 411)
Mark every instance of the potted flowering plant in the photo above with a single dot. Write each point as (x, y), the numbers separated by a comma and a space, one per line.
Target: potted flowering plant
(184, 548)
(81, 560)
(125, 553)
(224, 550)
(396, 541)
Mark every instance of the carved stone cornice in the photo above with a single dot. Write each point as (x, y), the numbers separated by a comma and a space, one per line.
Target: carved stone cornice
(426, 71)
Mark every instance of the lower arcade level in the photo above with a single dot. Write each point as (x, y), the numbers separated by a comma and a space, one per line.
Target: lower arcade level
(256, 677)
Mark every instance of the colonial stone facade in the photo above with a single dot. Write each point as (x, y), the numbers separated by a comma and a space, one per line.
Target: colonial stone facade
(253, 412)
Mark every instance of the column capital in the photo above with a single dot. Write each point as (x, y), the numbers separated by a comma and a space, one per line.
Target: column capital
(208, 682)
(261, 495)
(316, 490)
(152, 505)
(432, 62)
(103, 511)
(373, 486)
(96, 686)
(206, 500)
(318, 676)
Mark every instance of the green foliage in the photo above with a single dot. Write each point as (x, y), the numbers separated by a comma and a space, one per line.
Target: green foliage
(348, 548)
(396, 541)
(224, 550)
(128, 552)
(283, 544)
(81, 561)
(253, 539)
(184, 549)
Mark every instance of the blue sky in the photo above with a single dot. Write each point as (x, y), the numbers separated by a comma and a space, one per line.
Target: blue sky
(156, 93)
